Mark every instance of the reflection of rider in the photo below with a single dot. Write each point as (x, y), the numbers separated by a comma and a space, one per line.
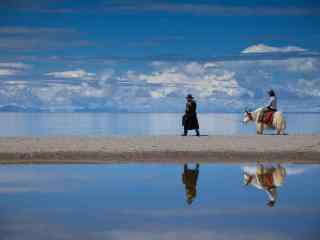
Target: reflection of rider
(267, 179)
(189, 179)
(271, 106)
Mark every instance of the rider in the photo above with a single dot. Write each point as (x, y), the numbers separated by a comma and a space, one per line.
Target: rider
(271, 106)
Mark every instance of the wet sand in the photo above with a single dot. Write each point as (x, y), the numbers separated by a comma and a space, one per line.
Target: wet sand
(161, 149)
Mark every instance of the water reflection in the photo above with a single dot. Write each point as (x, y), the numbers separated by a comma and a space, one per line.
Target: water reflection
(268, 179)
(136, 201)
(190, 179)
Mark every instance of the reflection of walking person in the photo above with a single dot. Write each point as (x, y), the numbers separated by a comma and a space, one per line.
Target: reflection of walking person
(190, 119)
(189, 179)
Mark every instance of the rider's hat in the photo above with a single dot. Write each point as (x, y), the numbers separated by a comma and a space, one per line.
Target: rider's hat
(189, 96)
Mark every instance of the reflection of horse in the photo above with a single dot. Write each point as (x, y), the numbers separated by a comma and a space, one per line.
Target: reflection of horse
(278, 121)
(267, 179)
(189, 179)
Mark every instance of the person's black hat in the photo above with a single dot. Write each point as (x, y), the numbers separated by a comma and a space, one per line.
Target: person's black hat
(189, 96)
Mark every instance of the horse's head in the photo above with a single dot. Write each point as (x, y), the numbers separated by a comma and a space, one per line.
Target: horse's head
(247, 116)
(247, 178)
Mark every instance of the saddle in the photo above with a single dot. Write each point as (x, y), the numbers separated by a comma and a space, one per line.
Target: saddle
(267, 180)
(268, 117)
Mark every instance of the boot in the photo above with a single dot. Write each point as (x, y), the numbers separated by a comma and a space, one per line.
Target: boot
(197, 132)
(185, 133)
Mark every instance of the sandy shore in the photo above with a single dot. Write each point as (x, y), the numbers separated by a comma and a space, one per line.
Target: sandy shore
(161, 149)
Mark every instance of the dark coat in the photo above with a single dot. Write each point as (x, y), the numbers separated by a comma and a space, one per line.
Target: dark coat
(189, 179)
(190, 119)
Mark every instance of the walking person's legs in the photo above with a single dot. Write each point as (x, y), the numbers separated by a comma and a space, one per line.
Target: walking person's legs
(198, 132)
(197, 166)
(185, 132)
(185, 167)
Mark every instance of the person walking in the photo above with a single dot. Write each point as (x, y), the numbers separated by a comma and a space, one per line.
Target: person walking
(190, 119)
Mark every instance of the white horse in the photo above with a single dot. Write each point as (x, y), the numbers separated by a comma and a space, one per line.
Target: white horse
(266, 178)
(278, 122)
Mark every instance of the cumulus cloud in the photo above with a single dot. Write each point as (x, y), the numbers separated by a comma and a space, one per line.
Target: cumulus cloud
(64, 93)
(298, 65)
(305, 87)
(12, 68)
(303, 64)
(162, 85)
(291, 65)
(162, 92)
(199, 78)
(262, 48)
(79, 74)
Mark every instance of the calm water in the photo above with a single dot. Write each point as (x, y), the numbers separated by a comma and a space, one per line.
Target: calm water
(104, 124)
(151, 202)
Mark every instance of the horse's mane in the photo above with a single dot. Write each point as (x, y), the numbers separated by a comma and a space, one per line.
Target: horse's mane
(258, 110)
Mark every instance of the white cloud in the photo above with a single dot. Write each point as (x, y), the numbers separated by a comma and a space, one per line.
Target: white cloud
(162, 92)
(305, 87)
(12, 68)
(262, 48)
(302, 64)
(63, 94)
(293, 65)
(194, 68)
(105, 76)
(79, 74)
(218, 86)
(89, 91)
(158, 63)
(202, 79)
(210, 65)
(16, 82)
(8, 72)
(17, 65)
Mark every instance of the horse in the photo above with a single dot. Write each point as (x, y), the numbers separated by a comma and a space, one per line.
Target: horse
(278, 121)
(266, 178)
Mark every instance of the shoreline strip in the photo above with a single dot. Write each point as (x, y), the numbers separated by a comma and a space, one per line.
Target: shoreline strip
(161, 149)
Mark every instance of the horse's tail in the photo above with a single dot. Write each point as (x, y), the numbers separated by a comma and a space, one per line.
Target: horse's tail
(280, 121)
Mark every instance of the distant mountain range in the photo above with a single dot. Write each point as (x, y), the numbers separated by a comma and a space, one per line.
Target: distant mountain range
(16, 108)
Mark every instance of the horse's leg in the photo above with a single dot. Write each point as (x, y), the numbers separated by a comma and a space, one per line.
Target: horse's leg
(259, 128)
(280, 130)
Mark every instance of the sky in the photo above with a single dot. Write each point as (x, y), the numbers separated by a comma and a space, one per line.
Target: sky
(146, 56)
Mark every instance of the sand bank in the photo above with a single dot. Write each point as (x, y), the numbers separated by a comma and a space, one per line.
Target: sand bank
(161, 149)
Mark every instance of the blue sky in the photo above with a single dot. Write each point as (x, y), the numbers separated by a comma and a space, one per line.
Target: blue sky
(146, 56)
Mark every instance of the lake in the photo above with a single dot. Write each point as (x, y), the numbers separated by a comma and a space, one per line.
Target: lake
(157, 201)
(131, 124)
